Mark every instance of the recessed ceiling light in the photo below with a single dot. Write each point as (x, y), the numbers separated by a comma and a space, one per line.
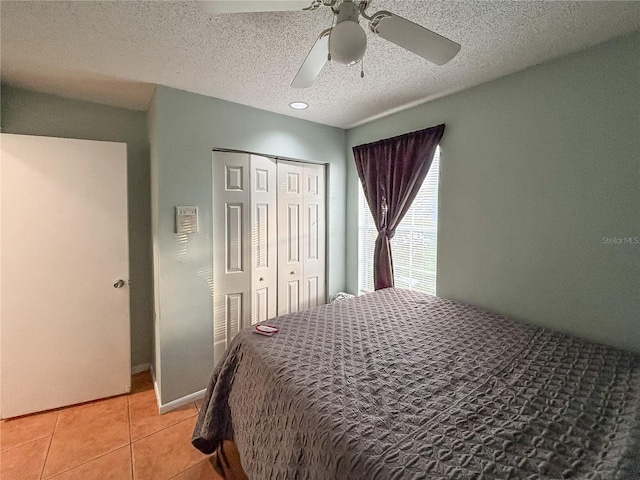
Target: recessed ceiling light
(298, 105)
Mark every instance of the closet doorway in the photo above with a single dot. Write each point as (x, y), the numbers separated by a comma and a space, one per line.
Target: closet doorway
(269, 245)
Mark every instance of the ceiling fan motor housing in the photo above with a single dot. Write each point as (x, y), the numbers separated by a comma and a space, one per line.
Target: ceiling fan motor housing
(348, 41)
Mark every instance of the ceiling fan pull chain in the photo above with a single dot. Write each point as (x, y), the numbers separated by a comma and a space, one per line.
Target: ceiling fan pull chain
(362, 68)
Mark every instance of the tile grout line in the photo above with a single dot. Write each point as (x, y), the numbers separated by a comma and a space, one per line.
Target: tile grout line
(46, 457)
(8, 449)
(3, 452)
(83, 463)
(194, 413)
(189, 468)
(192, 466)
(164, 428)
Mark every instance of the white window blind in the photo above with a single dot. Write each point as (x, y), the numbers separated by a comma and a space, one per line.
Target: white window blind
(414, 246)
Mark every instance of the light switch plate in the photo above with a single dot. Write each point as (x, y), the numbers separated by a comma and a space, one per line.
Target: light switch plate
(187, 219)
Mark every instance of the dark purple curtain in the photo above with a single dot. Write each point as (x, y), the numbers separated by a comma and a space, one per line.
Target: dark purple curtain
(392, 172)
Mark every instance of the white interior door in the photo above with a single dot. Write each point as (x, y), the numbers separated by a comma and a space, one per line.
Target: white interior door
(314, 235)
(65, 328)
(264, 238)
(231, 248)
(291, 296)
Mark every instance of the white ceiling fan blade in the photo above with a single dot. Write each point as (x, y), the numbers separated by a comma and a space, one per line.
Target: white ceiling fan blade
(241, 6)
(406, 34)
(314, 62)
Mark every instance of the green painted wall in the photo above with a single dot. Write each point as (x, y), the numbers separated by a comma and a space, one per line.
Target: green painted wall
(186, 127)
(30, 113)
(536, 169)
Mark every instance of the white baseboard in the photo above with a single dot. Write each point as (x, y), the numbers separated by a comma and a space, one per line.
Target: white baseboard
(140, 368)
(155, 387)
(167, 407)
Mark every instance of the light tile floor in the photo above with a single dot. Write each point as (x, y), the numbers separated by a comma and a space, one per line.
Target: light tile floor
(120, 438)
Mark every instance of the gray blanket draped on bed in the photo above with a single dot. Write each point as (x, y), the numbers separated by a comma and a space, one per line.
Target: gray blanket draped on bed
(398, 384)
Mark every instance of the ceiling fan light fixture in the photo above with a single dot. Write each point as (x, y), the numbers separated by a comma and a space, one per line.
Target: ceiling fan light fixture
(299, 105)
(347, 43)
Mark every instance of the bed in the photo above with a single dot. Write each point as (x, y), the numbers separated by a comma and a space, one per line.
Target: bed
(402, 385)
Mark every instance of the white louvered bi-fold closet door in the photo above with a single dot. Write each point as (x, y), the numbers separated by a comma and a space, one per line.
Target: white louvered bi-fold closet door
(244, 244)
(314, 235)
(264, 235)
(301, 236)
(231, 248)
(268, 240)
(290, 238)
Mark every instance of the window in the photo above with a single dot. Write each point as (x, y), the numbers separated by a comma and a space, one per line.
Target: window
(414, 246)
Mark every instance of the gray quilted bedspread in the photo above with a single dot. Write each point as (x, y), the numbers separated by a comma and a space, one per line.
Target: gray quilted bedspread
(402, 385)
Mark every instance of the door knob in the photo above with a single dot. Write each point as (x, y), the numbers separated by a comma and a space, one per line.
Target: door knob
(118, 283)
(261, 279)
(293, 272)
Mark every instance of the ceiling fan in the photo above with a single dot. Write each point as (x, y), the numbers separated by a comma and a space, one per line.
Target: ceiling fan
(346, 42)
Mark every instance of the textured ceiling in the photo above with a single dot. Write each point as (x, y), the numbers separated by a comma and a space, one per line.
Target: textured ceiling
(80, 85)
(252, 58)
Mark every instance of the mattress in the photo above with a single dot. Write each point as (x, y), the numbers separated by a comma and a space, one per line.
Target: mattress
(402, 385)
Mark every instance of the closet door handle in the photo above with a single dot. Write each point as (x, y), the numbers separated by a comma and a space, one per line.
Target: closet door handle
(292, 272)
(261, 279)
